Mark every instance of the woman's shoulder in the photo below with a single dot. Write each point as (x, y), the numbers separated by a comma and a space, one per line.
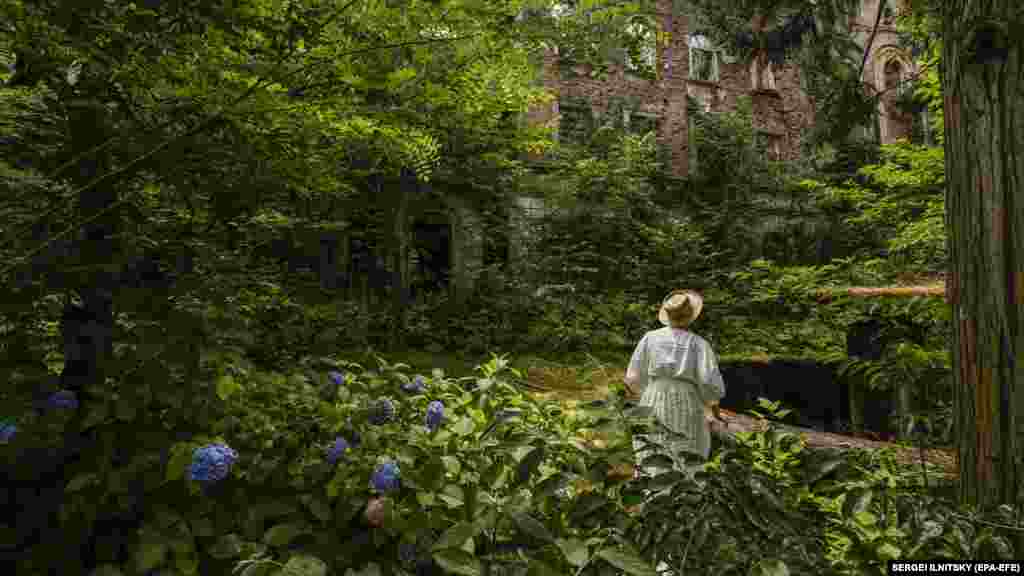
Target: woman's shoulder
(699, 341)
(658, 333)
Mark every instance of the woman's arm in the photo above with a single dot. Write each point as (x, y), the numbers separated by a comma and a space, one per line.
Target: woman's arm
(636, 373)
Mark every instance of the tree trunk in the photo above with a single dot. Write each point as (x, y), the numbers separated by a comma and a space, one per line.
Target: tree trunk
(983, 85)
(87, 329)
(400, 257)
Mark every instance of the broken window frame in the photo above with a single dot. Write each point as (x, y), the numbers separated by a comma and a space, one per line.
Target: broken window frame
(581, 112)
(632, 118)
(699, 47)
(767, 75)
(646, 32)
(769, 145)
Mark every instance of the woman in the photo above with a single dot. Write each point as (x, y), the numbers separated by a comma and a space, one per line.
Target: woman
(675, 373)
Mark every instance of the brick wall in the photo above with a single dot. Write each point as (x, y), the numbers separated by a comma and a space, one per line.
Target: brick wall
(782, 112)
(663, 98)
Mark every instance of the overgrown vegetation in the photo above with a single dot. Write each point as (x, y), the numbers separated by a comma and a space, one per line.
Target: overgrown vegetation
(210, 226)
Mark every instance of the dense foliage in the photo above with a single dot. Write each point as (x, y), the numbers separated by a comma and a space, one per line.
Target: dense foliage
(174, 177)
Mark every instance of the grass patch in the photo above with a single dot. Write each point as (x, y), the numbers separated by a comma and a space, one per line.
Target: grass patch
(582, 377)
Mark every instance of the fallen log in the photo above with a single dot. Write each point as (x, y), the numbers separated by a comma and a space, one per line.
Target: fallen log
(944, 459)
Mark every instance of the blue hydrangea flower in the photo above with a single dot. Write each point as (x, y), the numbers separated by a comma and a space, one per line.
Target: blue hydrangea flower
(212, 463)
(417, 386)
(7, 431)
(382, 412)
(435, 414)
(386, 477)
(337, 450)
(337, 378)
(63, 399)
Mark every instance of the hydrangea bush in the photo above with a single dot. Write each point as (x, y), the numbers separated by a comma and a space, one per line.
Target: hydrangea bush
(468, 476)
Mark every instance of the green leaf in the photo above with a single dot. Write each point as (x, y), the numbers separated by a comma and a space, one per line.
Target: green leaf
(98, 413)
(426, 498)
(452, 465)
(275, 509)
(226, 386)
(770, 567)
(530, 526)
(227, 546)
(888, 551)
(627, 562)
(106, 570)
(282, 534)
(125, 409)
(186, 561)
(464, 427)
(151, 553)
(79, 482)
(456, 561)
(575, 551)
(538, 568)
(856, 502)
(658, 461)
(317, 506)
(587, 504)
(823, 469)
(304, 565)
(456, 536)
(528, 465)
(202, 528)
(181, 457)
(371, 569)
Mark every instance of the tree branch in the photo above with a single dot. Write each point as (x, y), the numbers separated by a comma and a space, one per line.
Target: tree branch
(871, 39)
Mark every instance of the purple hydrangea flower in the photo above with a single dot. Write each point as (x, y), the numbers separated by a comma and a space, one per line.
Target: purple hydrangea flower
(337, 450)
(417, 386)
(212, 463)
(382, 412)
(7, 431)
(337, 378)
(62, 399)
(435, 414)
(386, 477)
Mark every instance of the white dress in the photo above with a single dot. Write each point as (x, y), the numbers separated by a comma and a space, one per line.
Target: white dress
(678, 374)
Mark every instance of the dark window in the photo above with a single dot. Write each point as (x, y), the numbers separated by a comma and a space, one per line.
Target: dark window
(576, 121)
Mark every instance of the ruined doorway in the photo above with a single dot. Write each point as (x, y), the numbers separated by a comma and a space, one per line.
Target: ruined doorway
(431, 249)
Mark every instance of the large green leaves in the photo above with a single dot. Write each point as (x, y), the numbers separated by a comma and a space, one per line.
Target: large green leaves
(627, 562)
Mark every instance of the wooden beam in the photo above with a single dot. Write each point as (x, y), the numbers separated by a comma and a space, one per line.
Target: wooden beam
(937, 290)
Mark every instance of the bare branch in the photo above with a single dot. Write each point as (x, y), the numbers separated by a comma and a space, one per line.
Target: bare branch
(871, 39)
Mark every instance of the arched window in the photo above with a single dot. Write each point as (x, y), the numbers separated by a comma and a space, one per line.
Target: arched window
(762, 74)
(703, 59)
(893, 72)
(642, 53)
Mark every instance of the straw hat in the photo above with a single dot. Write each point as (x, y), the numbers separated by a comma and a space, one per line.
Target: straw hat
(680, 308)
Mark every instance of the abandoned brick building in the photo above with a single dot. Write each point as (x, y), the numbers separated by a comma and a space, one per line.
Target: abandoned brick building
(448, 237)
(688, 66)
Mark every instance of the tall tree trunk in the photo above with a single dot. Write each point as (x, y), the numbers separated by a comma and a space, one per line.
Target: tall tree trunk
(984, 116)
(87, 329)
(400, 257)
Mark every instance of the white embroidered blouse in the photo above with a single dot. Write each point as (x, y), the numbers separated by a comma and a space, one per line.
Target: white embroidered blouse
(677, 374)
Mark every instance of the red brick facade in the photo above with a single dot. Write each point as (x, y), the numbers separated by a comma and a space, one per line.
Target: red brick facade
(782, 111)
